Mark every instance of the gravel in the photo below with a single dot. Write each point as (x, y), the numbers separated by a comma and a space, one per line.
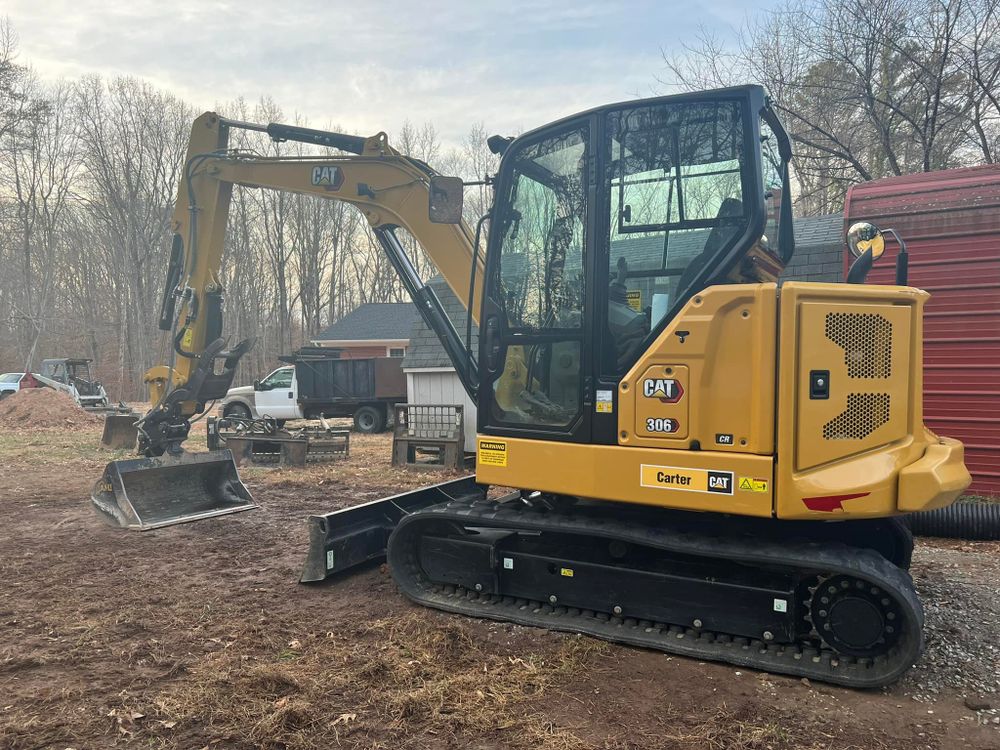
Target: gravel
(959, 585)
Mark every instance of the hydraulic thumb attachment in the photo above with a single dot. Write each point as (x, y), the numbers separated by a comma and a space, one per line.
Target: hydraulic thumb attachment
(161, 490)
(166, 426)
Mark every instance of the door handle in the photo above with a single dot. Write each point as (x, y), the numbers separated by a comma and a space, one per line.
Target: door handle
(290, 394)
(492, 343)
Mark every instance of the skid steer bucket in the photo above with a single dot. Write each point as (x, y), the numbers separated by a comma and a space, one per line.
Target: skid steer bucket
(147, 493)
(352, 536)
(120, 431)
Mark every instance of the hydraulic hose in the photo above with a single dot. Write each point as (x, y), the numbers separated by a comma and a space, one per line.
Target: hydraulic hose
(962, 520)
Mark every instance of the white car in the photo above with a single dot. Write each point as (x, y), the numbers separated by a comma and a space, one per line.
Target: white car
(11, 382)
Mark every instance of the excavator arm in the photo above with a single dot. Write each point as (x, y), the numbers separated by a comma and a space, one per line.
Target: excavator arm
(392, 190)
(166, 485)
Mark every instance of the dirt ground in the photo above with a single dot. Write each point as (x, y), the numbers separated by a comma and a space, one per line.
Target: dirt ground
(199, 636)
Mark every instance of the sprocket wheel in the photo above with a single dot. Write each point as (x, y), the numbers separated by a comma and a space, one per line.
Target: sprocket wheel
(855, 617)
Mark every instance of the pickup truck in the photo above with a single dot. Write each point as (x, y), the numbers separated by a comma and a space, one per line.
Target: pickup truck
(323, 385)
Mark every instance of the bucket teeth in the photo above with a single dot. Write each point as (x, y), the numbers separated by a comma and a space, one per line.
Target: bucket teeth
(147, 493)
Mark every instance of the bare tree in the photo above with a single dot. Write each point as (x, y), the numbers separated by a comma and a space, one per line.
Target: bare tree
(866, 88)
(133, 141)
(40, 166)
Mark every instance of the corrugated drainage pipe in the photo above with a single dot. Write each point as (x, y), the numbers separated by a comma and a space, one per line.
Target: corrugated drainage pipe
(962, 520)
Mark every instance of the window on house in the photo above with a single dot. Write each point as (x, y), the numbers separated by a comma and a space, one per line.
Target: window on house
(397, 352)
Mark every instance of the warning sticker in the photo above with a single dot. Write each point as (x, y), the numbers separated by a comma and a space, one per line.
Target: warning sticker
(686, 480)
(634, 300)
(492, 452)
(605, 402)
(749, 484)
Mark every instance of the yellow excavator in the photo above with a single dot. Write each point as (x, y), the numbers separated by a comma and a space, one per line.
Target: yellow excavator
(675, 450)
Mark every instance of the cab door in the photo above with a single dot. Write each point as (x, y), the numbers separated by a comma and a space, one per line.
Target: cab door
(275, 396)
(535, 364)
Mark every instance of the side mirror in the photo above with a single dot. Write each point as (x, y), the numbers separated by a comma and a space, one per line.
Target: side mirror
(867, 244)
(863, 236)
(257, 385)
(447, 195)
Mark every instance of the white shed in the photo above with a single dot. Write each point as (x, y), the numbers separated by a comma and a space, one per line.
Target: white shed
(430, 378)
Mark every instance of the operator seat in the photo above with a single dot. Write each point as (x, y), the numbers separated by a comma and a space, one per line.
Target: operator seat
(729, 218)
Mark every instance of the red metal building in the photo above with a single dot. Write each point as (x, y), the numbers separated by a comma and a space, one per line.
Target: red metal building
(950, 221)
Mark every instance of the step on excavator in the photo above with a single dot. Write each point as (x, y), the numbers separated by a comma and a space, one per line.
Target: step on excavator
(675, 450)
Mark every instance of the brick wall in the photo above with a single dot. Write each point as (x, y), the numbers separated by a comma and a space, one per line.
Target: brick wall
(819, 250)
(816, 263)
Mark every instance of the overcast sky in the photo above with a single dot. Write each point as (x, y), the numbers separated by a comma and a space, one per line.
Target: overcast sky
(370, 64)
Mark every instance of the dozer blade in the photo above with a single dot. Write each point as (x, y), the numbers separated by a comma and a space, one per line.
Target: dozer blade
(352, 536)
(120, 431)
(147, 493)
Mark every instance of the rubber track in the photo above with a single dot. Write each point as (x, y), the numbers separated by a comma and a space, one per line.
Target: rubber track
(801, 659)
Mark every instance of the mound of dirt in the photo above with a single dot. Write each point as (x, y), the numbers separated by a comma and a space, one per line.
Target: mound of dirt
(44, 407)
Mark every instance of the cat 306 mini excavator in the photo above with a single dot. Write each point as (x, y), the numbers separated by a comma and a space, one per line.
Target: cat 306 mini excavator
(693, 457)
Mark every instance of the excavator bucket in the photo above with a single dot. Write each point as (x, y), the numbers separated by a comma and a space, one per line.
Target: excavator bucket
(147, 493)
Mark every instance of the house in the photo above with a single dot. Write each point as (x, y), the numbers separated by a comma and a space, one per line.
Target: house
(375, 329)
(819, 250)
(430, 378)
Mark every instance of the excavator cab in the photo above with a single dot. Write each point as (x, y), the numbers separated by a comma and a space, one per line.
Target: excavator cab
(605, 225)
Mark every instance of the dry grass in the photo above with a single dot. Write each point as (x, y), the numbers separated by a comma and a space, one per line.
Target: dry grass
(399, 682)
(197, 637)
(368, 469)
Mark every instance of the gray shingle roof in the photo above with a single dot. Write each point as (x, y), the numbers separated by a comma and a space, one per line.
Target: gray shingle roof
(819, 246)
(425, 350)
(819, 230)
(372, 321)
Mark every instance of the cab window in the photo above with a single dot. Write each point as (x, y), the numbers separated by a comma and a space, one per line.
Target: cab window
(541, 282)
(675, 180)
(279, 378)
(773, 178)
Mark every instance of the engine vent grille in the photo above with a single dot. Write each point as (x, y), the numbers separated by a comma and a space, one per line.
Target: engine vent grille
(865, 413)
(866, 339)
